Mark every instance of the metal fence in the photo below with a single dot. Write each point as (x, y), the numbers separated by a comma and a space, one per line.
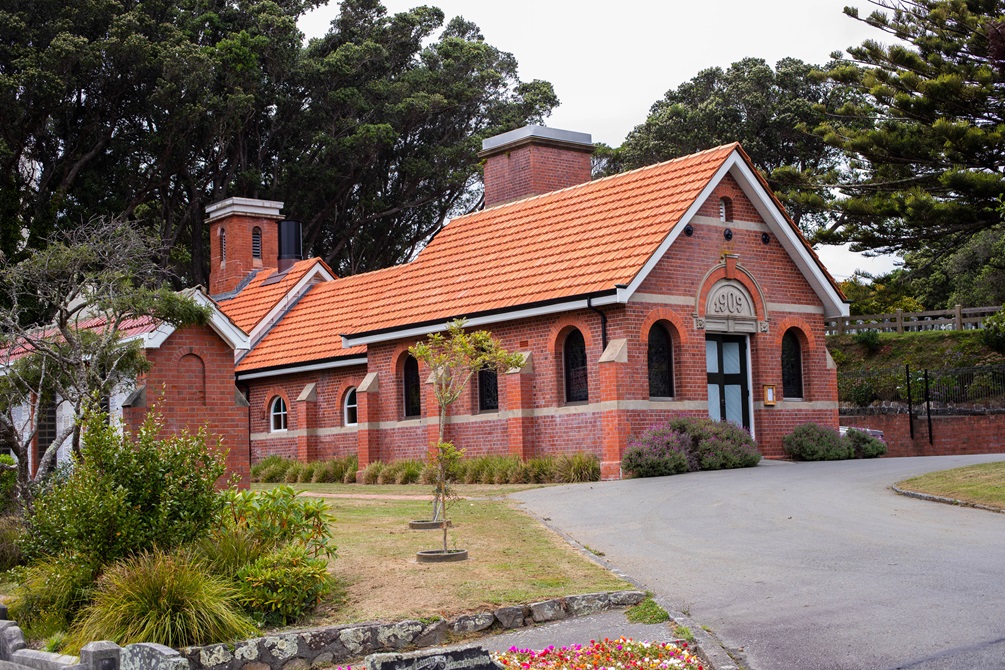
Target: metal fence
(958, 318)
(965, 391)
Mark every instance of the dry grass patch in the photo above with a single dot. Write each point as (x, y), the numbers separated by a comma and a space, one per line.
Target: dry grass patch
(980, 484)
(513, 559)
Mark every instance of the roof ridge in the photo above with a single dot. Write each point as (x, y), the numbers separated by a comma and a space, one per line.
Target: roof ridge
(610, 177)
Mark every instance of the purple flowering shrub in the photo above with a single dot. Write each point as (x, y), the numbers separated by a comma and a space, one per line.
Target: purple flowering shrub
(657, 452)
(813, 442)
(687, 444)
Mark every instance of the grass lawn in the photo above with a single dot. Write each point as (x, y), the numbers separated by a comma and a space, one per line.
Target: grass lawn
(982, 484)
(513, 559)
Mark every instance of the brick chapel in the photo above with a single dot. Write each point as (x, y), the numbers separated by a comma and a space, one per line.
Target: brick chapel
(678, 288)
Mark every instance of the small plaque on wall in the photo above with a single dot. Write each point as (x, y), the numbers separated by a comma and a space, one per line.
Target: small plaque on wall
(769, 395)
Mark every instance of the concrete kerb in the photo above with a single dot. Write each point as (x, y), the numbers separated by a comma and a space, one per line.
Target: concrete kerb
(945, 501)
(706, 643)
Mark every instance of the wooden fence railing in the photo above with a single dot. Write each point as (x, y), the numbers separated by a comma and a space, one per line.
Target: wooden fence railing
(958, 318)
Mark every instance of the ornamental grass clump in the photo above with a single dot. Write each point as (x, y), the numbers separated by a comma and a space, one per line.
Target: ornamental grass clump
(168, 598)
(622, 654)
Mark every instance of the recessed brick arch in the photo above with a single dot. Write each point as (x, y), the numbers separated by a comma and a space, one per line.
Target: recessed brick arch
(270, 394)
(807, 344)
(666, 315)
(733, 271)
(556, 341)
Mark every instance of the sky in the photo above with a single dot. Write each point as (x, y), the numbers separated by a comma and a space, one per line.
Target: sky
(609, 61)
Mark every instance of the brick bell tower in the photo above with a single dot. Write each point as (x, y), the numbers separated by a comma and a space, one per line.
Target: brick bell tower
(243, 238)
(533, 160)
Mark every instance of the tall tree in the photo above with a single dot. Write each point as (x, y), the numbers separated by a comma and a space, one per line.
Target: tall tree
(152, 110)
(88, 285)
(771, 112)
(927, 135)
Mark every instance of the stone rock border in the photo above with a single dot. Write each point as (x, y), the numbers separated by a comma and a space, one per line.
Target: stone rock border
(945, 501)
(302, 650)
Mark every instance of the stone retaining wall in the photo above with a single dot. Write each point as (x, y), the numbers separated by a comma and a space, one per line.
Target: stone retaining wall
(301, 650)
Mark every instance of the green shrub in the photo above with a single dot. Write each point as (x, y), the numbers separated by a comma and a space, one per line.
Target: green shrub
(993, 331)
(128, 493)
(862, 393)
(278, 516)
(50, 592)
(11, 536)
(659, 451)
(165, 598)
(864, 445)
(267, 463)
(228, 549)
(869, 339)
(812, 442)
(371, 474)
(8, 484)
(284, 585)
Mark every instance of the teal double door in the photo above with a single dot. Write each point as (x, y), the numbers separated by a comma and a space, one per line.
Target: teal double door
(728, 379)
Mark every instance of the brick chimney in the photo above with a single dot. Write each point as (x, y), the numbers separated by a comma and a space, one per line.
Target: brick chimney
(533, 160)
(243, 237)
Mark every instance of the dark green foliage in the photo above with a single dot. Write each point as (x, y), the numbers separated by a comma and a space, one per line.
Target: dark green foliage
(767, 110)
(8, 485)
(278, 517)
(373, 129)
(861, 393)
(228, 549)
(50, 592)
(11, 530)
(284, 585)
(993, 332)
(864, 445)
(167, 598)
(127, 494)
(812, 442)
(659, 451)
(924, 133)
(868, 339)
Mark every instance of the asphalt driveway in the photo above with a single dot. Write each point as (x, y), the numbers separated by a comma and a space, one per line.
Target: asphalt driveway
(807, 566)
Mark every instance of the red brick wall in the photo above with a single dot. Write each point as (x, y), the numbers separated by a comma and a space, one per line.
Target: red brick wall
(191, 384)
(951, 435)
(533, 169)
(596, 427)
(226, 273)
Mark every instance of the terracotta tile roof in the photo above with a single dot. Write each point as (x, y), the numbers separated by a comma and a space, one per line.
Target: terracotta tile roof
(256, 299)
(130, 327)
(583, 239)
(310, 331)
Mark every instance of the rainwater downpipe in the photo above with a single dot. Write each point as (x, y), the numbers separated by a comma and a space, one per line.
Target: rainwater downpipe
(603, 321)
(246, 390)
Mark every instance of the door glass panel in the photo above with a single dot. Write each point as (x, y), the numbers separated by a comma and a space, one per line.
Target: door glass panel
(731, 358)
(714, 412)
(734, 404)
(711, 356)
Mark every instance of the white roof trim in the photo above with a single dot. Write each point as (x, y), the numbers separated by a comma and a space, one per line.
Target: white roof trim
(476, 321)
(266, 322)
(310, 367)
(788, 237)
(218, 321)
(790, 240)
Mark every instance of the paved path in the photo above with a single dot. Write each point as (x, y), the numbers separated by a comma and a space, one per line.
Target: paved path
(808, 566)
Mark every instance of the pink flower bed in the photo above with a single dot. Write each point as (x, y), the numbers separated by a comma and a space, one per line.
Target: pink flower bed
(621, 654)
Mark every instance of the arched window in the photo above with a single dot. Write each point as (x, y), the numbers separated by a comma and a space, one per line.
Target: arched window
(256, 243)
(223, 246)
(488, 391)
(660, 363)
(278, 413)
(349, 408)
(792, 366)
(411, 389)
(574, 356)
(725, 209)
